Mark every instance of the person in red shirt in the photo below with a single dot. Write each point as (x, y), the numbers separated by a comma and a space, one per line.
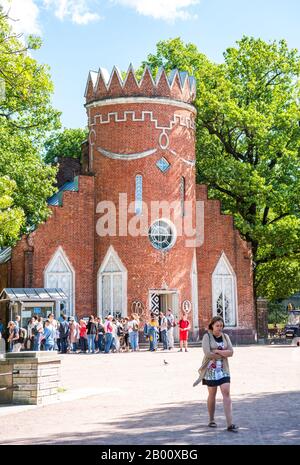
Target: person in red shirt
(184, 326)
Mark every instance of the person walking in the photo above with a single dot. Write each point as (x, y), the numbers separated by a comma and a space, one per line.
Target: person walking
(214, 370)
(184, 326)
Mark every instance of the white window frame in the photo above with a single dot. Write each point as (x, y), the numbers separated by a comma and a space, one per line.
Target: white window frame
(173, 231)
(138, 205)
(61, 253)
(232, 275)
(111, 252)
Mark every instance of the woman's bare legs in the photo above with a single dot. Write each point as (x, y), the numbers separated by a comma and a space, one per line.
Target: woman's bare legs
(211, 402)
(225, 389)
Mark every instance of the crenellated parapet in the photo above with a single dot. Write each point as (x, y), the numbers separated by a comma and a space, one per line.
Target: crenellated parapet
(177, 85)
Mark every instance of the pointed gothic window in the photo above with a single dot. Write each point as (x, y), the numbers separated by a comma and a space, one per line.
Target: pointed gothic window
(59, 273)
(112, 285)
(224, 292)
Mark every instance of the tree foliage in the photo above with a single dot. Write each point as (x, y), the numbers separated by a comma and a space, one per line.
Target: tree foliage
(248, 145)
(11, 217)
(27, 101)
(277, 314)
(65, 144)
(26, 116)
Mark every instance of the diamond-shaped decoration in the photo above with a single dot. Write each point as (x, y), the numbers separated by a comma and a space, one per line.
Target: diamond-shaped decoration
(163, 164)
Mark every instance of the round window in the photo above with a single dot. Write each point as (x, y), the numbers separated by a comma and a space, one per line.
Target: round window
(161, 235)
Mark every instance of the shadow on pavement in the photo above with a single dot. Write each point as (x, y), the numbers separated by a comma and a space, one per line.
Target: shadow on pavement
(269, 418)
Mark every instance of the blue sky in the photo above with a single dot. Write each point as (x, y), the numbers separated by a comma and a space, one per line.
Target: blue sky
(79, 35)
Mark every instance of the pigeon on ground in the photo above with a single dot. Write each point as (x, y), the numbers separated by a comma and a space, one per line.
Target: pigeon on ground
(166, 363)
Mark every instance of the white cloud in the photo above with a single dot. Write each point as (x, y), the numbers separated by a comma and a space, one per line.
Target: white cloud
(26, 12)
(168, 10)
(23, 14)
(78, 11)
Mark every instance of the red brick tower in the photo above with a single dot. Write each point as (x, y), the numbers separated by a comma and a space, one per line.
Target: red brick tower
(142, 151)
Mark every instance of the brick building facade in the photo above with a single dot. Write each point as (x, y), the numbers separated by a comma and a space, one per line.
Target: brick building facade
(134, 233)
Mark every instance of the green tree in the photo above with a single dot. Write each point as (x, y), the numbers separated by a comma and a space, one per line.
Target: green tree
(11, 217)
(34, 180)
(26, 116)
(277, 314)
(65, 144)
(26, 84)
(248, 144)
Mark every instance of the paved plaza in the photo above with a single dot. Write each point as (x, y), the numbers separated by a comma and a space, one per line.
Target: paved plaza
(136, 398)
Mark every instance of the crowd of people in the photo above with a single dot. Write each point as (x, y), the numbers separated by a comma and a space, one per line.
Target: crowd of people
(111, 334)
